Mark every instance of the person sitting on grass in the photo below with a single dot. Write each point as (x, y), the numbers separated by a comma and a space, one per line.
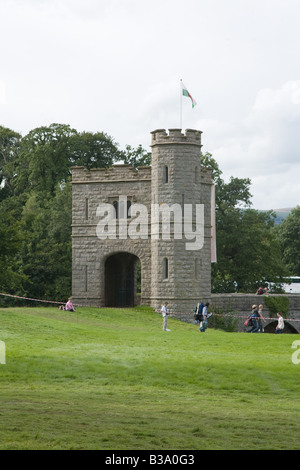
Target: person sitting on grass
(69, 306)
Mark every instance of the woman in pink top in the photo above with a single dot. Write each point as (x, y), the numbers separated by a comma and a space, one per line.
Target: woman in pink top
(69, 305)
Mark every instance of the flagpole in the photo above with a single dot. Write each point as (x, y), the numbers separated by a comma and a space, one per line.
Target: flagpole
(181, 103)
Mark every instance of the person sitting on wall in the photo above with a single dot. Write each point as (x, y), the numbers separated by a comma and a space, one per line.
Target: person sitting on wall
(262, 291)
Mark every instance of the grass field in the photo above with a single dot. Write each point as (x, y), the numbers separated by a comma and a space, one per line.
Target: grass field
(113, 380)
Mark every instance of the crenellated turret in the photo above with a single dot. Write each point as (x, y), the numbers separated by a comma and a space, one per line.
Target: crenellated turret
(191, 136)
(180, 270)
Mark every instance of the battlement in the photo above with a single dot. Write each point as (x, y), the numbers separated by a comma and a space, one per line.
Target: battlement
(122, 172)
(205, 176)
(175, 136)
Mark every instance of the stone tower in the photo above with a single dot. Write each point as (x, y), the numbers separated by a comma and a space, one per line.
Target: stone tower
(180, 263)
(171, 242)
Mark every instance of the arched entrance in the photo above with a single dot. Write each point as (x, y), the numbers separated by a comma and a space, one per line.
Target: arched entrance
(288, 328)
(121, 280)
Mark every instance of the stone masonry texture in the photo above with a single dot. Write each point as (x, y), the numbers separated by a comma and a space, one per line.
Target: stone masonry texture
(175, 177)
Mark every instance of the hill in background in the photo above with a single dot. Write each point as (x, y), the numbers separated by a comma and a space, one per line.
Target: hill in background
(281, 214)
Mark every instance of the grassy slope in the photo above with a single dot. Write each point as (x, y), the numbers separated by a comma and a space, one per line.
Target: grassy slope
(112, 379)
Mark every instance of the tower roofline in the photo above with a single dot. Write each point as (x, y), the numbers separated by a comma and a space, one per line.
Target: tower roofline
(175, 136)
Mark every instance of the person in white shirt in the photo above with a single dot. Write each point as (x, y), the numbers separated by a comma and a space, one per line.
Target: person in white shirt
(164, 312)
(261, 319)
(204, 311)
(280, 325)
(205, 315)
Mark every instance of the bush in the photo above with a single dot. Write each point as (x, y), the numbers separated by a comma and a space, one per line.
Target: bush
(278, 304)
(221, 320)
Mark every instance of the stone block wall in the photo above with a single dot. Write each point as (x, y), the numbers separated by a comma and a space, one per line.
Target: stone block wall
(188, 278)
(91, 189)
(240, 305)
(186, 184)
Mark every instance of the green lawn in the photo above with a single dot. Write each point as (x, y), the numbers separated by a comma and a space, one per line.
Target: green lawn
(113, 380)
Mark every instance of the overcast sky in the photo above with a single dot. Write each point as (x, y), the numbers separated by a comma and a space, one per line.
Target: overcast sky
(115, 66)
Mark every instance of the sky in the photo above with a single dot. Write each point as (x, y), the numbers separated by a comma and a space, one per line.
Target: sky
(115, 66)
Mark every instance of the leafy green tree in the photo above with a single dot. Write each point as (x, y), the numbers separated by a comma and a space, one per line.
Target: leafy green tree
(247, 248)
(96, 150)
(43, 185)
(36, 204)
(289, 237)
(48, 153)
(229, 196)
(9, 147)
(47, 250)
(136, 157)
(248, 251)
(45, 158)
(11, 238)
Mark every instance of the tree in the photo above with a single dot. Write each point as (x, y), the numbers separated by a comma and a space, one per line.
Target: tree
(93, 150)
(247, 248)
(48, 153)
(45, 158)
(136, 157)
(47, 248)
(11, 274)
(248, 251)
(10, 142)
(230, 195)
(289, 237)
(36, 205)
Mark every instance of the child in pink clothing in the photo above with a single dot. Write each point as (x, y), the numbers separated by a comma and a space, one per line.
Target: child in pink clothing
(69, 306)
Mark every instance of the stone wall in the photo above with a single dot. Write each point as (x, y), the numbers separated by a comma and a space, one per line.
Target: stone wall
(89, 190)
(241, 304)
(188, 276)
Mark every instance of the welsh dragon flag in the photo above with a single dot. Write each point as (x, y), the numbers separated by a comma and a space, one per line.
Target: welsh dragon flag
(186, 93)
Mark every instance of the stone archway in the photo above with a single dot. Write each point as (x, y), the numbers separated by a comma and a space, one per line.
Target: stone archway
(121, 280)
(288, 328)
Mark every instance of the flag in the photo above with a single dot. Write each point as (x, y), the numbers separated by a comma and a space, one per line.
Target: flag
(186, 93)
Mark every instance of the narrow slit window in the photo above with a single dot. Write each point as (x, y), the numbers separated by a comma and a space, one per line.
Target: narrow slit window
(116, 207)
(128, 209)
(166, 268)
(86, 279)
(166, 174)
(197, 268)
(86, 208)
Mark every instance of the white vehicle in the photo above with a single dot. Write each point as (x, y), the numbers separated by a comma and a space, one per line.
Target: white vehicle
(294, 287)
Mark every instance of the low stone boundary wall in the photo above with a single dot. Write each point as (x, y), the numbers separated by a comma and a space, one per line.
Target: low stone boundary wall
(241, 305)
(243, 302)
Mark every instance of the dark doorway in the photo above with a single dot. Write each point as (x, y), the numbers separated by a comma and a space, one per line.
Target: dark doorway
(288, 328)
(121, 280)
